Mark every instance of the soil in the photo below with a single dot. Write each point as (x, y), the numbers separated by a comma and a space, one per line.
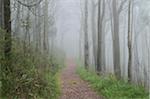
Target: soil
(73, 87)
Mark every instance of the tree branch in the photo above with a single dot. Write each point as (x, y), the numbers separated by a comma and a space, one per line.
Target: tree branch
(121, 5)
(29, 5)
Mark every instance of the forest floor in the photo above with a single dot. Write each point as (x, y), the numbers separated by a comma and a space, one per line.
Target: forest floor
(73, 87)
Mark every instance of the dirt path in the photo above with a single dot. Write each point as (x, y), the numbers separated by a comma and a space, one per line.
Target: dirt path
(73, 87)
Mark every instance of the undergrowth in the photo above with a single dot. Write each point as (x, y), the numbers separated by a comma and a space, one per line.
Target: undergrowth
(32, 74)
(111, 88)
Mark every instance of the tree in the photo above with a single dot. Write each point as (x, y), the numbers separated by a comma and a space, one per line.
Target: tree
(1, 13)
(115, 33)
(7, 28)
(45, 35)
(6, 67)
(94, 33)
(86, 41)
(16, 27)
(101, 14)
(129, 42)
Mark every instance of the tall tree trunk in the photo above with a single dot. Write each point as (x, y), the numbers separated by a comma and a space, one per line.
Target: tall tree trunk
(99, 68)
(17, 20)
(1, 13)
(116, 44)
(101, 14)
(27, 32)
(39, 29)
(86, 41)
(7, 27)
(94, 34)
(129, 42)
(7, 66)
(81, 46)
(45, 40)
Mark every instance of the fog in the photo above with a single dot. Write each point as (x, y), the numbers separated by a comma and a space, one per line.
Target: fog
(68, 25)
(108, 37)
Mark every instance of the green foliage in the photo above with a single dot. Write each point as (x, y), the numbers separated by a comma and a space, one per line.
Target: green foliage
(30, 75)
(112, 88)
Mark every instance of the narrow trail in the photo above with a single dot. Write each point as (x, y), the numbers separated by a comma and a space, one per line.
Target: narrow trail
(72, 85)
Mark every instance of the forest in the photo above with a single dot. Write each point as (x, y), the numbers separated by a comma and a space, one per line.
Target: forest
(74, 49)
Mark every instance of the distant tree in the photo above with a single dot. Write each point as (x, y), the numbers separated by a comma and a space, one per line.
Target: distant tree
(101, 14)
(116, 40)
(94, 34)
(45, 34)
(86, 40)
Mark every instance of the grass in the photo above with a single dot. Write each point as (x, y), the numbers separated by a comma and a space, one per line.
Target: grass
(31, 75)
(54, 87)
(111, 88)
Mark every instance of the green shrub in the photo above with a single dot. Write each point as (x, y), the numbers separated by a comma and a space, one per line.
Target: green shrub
(31, 75)
(111, 88)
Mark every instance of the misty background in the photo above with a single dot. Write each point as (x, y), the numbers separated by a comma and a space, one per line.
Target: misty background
(68, 20)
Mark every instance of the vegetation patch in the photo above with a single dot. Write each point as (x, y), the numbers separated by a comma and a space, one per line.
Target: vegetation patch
(32, 74)
(111, 88)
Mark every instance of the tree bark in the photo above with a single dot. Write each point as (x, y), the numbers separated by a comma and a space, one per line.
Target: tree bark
(7, 28)
(45, 40)
(129, 43)
(1, 13)
(86, 41)
(116, 44)
(101, 14)
(94, 34)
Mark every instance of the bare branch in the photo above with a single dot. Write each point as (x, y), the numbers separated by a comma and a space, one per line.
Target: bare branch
(29, 5)
(122, 5)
